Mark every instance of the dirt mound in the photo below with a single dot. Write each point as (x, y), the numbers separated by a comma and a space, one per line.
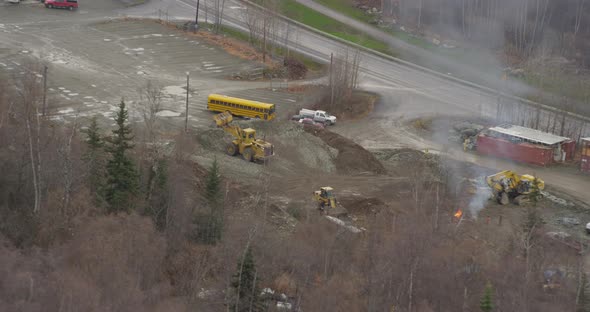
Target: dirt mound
(295, 150)
(352, 158)
(362, 205)
(401, 154)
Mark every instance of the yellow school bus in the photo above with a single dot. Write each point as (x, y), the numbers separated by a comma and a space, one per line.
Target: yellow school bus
(240, 107)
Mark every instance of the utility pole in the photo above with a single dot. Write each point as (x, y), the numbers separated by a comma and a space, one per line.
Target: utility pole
(197, 17)
(186, 111)
(331, 79)
(44, 90)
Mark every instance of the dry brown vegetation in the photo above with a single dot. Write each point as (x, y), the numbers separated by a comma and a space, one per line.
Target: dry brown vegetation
(66, 253)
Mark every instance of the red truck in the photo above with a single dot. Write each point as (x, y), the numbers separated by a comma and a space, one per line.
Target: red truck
(61, 4)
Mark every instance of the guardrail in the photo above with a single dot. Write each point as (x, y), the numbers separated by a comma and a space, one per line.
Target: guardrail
(485, 89)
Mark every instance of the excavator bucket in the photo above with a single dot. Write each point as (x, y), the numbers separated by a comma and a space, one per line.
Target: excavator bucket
(223, 119)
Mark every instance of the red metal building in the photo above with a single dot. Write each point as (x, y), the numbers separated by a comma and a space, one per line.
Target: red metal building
(585, 162)
(525, 145)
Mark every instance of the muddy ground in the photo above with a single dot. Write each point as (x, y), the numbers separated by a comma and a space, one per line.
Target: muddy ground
(378, 163)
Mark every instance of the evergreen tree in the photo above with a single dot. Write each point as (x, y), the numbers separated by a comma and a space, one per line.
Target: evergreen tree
(486, 304)
(210, 225)
(245, 284)
(156, 197)
(122, 177)
(94, 158)
(213, 186)
(583, 299)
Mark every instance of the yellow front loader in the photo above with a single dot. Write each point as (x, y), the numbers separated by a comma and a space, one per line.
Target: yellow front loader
(508, 186)
(325, 198)
(245, 142)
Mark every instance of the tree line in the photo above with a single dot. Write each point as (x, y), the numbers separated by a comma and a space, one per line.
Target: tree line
(562, 26)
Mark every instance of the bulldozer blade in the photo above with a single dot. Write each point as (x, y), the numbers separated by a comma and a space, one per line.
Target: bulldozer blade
(223, 119)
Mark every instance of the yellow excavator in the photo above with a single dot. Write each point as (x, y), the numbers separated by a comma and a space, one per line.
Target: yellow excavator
(325, 198)
(245, 142)
(507, 186)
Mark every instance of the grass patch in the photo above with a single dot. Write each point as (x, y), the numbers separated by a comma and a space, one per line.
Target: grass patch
(346, 7)
(240, 35)
(130, 3)
(569, 85)
(234, 33)
(307, 16)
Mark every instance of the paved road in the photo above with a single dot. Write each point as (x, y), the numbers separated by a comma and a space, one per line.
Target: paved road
(376, 72)
(487, 73)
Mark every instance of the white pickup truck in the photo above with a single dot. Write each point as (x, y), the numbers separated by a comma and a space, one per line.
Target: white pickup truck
(319, 116)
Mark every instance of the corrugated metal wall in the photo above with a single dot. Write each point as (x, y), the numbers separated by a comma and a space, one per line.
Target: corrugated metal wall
(523, 152)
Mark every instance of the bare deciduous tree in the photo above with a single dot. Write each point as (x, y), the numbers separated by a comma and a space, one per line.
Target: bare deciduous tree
(344, 75)
(218, 7)
(29, 92)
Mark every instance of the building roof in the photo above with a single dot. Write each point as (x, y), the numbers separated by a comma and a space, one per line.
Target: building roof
(586, 139)
(529, 134)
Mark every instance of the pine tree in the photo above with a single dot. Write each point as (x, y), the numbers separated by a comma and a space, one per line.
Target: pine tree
(486, 304)
(583, 302)
(245, 284)
(213, 186)
(94, 158)
(122, 177)
(157, 196)
(210, 225)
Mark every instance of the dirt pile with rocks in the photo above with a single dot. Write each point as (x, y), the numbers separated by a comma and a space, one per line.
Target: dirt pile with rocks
(358, 205)
(295, 150)
(352, 158)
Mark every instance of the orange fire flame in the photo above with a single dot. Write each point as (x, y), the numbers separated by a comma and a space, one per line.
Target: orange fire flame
(458, 214)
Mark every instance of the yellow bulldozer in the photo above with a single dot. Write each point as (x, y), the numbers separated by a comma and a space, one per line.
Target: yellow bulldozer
(245, 142)
(507, 186)
(325, 198)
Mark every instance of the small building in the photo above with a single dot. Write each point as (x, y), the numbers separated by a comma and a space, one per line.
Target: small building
(525, 145)
(585, 161)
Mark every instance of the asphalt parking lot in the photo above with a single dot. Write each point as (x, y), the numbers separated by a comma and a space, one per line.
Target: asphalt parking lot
(95, 61)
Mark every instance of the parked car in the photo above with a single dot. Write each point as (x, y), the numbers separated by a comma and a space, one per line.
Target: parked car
(309, 121)
(61, 4)
(14, 1)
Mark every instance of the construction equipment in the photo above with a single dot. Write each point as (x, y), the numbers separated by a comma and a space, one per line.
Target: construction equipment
(325, 198)
(508, 186)
(245, 142)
